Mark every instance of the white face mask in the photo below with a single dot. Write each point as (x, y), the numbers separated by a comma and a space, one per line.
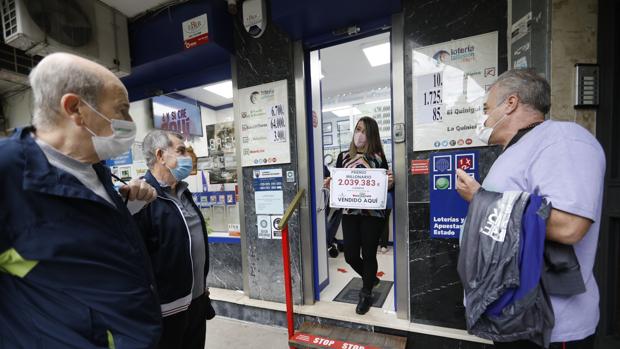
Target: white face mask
(484, 132)
(123, 136)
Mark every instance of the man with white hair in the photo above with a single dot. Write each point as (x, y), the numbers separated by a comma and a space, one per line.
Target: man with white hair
(561, 162)
(176, 238)
(74, 271)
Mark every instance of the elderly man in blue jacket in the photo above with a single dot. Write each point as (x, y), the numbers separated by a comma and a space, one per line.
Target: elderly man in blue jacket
(176, 238)
(74, 272)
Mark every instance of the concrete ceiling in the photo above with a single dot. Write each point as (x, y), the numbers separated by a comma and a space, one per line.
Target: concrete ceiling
(133, 7)
(346, 68)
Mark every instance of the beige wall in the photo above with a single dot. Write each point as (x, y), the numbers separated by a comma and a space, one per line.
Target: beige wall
(18, 110)
(573, 40)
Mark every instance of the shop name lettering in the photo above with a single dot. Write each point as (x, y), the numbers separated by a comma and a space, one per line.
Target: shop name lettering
(462, 52)
(447, 226)
(177, 121)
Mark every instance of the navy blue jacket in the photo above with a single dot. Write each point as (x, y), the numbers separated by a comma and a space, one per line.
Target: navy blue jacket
(168, 242)
(74, 272)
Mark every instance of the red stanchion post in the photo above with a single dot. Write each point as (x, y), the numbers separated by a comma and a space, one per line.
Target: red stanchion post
(287, 282)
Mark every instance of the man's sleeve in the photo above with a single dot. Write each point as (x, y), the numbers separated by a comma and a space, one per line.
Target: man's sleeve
(143, 220)
(570, 175)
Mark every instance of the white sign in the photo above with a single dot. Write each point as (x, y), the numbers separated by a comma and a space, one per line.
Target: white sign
(195, 31)
(268, 194)
(358, 188)
(264, 124)
(275, 232)
(263, 223)
(450, 81)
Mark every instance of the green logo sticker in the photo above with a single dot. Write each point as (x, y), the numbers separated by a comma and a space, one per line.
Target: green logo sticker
(442, 183)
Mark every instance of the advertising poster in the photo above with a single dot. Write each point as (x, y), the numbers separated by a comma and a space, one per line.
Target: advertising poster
(359, 188)
(180, 114)
(264, 124)
(221, 162)
(268, 194)
(448, 209)
(450, 81)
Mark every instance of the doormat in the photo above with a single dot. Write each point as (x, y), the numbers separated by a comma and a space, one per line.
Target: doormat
(351, 292)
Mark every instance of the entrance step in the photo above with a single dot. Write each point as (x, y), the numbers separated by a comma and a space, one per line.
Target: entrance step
(318, 336)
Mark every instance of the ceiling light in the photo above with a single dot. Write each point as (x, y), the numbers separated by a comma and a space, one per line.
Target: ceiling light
(326, 110)
(347, 112)
(378, 55)
(378, 101)
(223, 89)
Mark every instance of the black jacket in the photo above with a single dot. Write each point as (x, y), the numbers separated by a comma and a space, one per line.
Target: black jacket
(167, 240)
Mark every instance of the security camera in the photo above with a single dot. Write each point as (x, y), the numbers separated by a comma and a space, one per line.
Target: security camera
(255, 17)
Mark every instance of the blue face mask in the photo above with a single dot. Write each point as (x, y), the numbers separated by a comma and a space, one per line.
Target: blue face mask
(183, 169)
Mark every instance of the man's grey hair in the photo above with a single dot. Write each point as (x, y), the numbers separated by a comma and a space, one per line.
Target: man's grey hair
(157, 139)
(51, 80)
(532, 89)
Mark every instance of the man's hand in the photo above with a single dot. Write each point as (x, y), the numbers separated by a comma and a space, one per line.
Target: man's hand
(466, 185)
(138, 189)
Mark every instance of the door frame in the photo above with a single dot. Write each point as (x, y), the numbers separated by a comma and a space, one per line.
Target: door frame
(608, 254)
(400, 221)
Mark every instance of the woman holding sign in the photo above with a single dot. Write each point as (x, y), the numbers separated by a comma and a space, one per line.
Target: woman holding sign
(362, 228)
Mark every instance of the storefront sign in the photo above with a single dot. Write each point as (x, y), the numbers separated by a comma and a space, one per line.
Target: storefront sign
(195, 31)
(268, 194)
(359, 188)
(448, 209)
(264, 124)
(450, 81)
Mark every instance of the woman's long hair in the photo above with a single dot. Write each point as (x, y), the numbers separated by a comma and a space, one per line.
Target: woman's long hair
(373, 140)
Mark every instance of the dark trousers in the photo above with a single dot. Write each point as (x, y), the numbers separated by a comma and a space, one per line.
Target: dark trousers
(362, 232)
(187, 329)
(586, 343)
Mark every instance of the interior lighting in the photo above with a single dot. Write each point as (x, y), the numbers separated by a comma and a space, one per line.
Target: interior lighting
(223, 89)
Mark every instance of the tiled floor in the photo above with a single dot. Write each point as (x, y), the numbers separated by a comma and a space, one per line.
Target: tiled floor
(226, 333)
(340, 273)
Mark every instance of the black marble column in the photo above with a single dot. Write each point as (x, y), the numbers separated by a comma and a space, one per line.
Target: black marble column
(225, 266)
(263, 60)
(436, 293)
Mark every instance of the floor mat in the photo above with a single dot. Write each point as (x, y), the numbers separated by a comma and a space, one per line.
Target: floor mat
(350, 293)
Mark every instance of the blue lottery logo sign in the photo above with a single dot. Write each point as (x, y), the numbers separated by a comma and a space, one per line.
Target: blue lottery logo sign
(448, 210)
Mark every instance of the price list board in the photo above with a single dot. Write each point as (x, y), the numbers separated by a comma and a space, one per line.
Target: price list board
(264, 124)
